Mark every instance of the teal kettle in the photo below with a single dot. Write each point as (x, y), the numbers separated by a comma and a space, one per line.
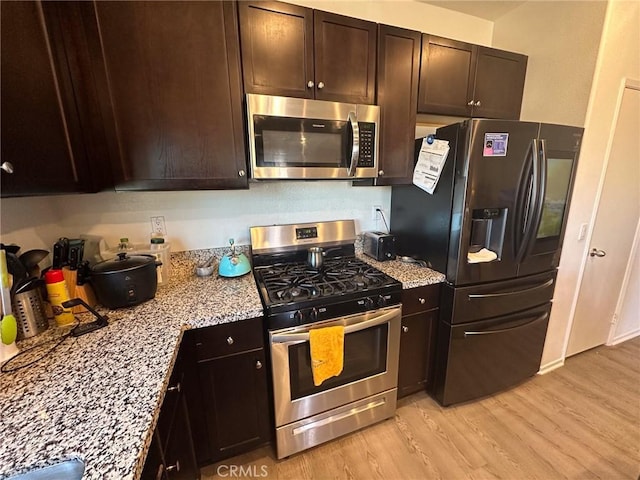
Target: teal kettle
(234, 264)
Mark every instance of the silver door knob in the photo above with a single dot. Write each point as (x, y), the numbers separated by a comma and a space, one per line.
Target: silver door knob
(310, 84)
(470, 103)
(230, 340)
(173, 468)
(477, 104)
(380, 173)
(320, 85)
(7, 167)
(241, 173)
(405, 329)
(597, 253)
(422, 301)
(258, 364)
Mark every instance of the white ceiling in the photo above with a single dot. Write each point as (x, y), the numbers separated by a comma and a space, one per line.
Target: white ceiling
(489, 10)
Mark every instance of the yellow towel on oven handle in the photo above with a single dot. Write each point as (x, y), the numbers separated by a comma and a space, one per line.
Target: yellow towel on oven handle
(327, 352)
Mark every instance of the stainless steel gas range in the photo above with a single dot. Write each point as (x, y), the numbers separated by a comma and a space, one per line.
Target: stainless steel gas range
(338, 289)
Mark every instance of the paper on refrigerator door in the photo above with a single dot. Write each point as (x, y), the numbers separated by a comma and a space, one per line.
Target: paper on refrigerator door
(430, 164)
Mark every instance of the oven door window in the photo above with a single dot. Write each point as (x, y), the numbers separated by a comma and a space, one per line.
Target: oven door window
(300, 142)
(365, 355)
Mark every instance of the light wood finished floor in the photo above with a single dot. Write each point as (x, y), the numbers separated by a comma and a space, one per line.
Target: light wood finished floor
(581, 421)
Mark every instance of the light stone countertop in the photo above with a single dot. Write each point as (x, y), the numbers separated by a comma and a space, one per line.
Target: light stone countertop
(97, 397)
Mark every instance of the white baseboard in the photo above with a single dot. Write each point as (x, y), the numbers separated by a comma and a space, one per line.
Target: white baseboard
(549, 367)
(624, 338)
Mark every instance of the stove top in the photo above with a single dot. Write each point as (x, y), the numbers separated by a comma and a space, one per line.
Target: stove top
(296, 282)
(293, 293)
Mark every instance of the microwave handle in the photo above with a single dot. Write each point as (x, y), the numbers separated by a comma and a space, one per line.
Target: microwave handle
(355, 144)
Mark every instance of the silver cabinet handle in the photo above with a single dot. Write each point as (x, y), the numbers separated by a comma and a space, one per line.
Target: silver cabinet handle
(310, 84)
(470, 103)
(422, 301)
(405, 329)
(258, 364)
(380, 173)
(477, 104)
(7, 167)
(230, 340)
(597, 253)
(175, 388)
(241, 173)
(320, 85)
(173, 468)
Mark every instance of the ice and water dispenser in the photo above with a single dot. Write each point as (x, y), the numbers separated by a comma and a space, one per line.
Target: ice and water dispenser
(487, 234)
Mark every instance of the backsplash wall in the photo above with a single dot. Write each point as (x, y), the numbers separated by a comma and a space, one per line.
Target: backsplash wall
(194, 219)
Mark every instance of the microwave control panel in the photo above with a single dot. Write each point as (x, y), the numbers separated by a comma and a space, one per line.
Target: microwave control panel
(367, 144)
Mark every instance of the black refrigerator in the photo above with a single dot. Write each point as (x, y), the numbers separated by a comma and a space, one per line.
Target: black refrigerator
(494, 226)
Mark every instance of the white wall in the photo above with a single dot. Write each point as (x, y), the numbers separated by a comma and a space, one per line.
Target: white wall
(618, 58)
(561, 40)
(199, 219)
(628, 311)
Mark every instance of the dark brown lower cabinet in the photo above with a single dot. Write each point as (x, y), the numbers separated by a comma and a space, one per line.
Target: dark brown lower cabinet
(417, 340)
(229, 408)
(171, 455)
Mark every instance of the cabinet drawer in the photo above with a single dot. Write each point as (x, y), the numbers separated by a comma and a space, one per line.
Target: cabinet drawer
(420, 299)
(229, 338)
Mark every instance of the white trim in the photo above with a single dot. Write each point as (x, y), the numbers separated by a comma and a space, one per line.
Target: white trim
(594, 213)
(551, 366)
(632, 84)
(611, 340)
(624, 338)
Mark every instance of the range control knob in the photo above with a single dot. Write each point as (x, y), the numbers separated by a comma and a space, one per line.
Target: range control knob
(368, 303)
(298, 317)
(313, 315)
(382, 302)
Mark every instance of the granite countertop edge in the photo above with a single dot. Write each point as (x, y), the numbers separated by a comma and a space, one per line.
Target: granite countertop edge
(170, 314)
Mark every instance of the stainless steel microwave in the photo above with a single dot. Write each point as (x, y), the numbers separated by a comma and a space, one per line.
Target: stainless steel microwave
(295, 138)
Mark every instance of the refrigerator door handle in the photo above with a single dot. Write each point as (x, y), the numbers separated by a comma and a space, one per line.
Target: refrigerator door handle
(540, 187)
(474, 296)
(503, 330)
(527, 202)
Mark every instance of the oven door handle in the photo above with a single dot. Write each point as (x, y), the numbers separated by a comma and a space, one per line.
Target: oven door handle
(378, 319)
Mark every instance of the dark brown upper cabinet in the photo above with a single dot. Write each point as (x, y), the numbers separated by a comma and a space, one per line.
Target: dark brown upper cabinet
(294, 51)
(47, 138)
(172, 93)
(462, 79)
(398, 68)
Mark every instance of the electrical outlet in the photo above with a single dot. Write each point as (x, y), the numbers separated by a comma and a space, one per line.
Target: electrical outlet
(158, 226)
(375, 215)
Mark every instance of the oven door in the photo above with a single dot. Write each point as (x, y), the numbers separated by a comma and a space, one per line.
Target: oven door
(371, 348)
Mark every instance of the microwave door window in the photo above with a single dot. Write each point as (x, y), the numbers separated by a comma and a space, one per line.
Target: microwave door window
(293, 142)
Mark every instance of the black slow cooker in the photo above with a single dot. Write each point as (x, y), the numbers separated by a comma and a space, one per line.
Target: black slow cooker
(125, 280)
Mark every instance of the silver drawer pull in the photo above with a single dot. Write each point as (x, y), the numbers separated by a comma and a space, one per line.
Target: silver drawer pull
(175, 388)
(405, 329)
(258, 364)
(230, 340)
(173, 468)
(422, 301)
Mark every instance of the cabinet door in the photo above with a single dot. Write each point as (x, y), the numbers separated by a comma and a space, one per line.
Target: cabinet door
(398, 68)
(345, 58)
(174, 106)
(417, 347)
(446, 76)
(180, 461)
(499, 84)
(40, 127)
(277, 48)
(234, 390)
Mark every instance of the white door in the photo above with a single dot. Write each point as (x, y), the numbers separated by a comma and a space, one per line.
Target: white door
(613, 233)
